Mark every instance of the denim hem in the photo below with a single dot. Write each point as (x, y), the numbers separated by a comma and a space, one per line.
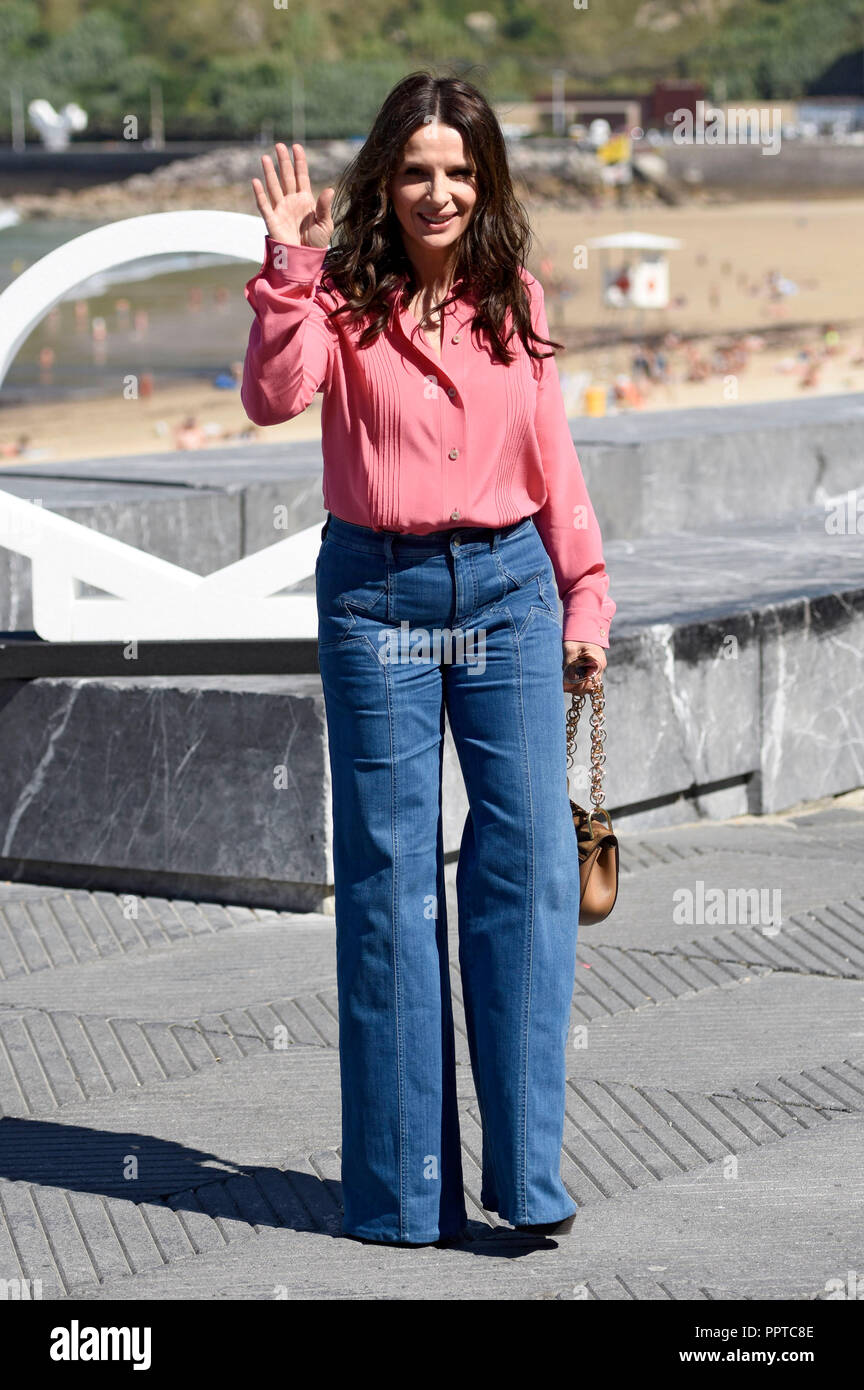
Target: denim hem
(516, 1220)
(381, 1239)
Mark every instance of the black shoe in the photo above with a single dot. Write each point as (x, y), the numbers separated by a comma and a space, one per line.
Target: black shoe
(443, 1241)
(551, 1228)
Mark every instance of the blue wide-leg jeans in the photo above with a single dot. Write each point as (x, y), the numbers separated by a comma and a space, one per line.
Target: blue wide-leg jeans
(467, 621)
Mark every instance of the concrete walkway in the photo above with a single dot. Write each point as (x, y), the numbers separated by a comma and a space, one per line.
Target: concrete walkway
(170, 1090)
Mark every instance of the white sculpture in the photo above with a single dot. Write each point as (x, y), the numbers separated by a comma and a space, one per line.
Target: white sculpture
(55, 127)
(154, 598)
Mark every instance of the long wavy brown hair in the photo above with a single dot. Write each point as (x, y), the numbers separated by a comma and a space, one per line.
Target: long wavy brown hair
(366, 258)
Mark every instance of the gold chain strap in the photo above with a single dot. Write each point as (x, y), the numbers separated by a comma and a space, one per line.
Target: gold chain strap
(598, 736)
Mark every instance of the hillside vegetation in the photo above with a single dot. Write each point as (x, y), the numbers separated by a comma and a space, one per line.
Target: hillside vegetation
(232, 69)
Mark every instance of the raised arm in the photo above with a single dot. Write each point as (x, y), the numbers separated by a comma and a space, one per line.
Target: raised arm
(566, 522)
(291, 341)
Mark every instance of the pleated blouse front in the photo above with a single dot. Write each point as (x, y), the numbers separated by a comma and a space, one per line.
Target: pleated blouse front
(414, 442)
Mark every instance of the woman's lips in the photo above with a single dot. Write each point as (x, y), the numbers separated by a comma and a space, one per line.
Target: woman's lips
(438, 221)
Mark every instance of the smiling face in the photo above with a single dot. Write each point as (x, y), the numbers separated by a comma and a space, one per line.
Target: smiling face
(433, 191)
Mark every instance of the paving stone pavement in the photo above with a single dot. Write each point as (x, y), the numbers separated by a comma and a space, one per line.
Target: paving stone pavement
(169, 1090)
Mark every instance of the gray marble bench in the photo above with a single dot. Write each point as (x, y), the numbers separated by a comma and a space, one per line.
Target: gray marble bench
(734, 681)
(734, 685)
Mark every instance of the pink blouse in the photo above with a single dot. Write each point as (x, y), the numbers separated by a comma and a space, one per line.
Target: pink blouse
(412, 442)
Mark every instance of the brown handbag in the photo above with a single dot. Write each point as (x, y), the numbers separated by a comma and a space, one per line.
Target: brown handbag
(596, 841)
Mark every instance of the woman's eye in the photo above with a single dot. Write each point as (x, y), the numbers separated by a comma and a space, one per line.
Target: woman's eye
(460, 173)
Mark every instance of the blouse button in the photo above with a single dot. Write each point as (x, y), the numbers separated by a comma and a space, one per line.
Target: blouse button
(602, 632)
(454, 454)
(454, 515)
(451, 390)
(457, 338)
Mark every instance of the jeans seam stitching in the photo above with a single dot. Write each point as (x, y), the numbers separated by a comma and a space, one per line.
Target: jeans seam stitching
(465, 949)
(400, 1070)
(350, 634)
(544, 600)
(522, 1197)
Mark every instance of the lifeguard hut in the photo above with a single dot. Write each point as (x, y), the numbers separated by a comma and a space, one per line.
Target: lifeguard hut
(635, 271)
(634, 278)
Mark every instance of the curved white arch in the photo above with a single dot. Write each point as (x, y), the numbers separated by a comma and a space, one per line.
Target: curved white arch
(42, 285)
(147, 598)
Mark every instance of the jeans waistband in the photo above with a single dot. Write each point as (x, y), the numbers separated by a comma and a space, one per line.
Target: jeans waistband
(432, 542)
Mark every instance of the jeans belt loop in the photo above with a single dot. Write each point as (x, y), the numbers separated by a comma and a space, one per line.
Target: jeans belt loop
(389, 537)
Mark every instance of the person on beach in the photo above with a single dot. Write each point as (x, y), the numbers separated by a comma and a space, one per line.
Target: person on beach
(457, 515)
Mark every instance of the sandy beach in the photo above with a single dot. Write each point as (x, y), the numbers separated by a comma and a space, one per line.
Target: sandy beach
(727, 251)
(108, 426)
(749, 342)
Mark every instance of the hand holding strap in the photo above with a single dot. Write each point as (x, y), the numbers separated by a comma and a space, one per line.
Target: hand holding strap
(596, 842)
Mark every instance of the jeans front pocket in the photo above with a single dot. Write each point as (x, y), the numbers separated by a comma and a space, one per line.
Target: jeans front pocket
(548, 588)
(350, 585)
(518, 572)
(523, 561)
(528, 581)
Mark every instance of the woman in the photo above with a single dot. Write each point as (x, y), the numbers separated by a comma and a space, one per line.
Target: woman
(455, 505)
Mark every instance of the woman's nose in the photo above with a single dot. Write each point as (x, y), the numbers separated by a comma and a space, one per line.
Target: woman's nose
(438, 190)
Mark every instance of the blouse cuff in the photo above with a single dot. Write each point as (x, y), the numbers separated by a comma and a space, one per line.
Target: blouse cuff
(300, 264)
(584, 625)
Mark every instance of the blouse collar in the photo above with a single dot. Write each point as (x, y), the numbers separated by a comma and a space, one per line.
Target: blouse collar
(461, 308)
